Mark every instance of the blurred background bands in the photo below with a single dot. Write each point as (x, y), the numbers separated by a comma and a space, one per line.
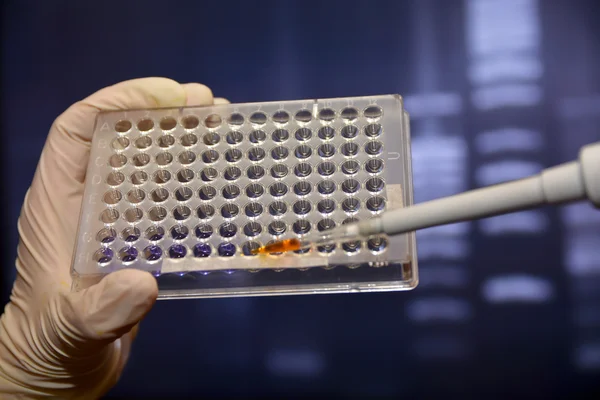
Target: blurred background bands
(497, 90)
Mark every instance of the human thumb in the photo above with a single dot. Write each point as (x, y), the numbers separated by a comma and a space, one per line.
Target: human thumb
(85, 322)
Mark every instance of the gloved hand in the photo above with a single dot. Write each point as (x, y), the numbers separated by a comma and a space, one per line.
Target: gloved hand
(54, 343)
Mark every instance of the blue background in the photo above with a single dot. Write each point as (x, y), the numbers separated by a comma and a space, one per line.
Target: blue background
(507, 307)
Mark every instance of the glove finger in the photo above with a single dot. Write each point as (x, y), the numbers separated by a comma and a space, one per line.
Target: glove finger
(72, 131)
(78, 120)
(51, 210)
(82, 339)
(197, 94)
(221, 100)
(87, 320)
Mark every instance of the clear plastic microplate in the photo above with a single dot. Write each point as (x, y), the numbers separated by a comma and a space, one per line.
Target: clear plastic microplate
(187, 193)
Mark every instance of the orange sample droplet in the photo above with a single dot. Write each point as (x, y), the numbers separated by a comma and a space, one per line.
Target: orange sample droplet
(279, 247)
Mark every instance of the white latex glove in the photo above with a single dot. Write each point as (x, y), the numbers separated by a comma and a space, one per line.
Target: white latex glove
(54, 343)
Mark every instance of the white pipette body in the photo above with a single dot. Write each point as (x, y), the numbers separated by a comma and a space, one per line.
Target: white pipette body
(570, 182)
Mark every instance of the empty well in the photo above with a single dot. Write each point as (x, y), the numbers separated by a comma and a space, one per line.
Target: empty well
(187, 193)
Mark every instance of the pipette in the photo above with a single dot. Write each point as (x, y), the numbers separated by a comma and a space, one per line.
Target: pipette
(569, 182)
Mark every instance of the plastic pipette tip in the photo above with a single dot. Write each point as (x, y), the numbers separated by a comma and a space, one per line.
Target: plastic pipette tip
(279, 247)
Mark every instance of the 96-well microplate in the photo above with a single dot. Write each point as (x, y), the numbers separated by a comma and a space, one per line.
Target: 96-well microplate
(187, 194)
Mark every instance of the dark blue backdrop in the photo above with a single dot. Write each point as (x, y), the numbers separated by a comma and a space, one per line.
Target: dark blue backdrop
(497, 89)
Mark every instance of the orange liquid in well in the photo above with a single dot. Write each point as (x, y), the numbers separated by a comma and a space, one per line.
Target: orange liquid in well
(279, 247)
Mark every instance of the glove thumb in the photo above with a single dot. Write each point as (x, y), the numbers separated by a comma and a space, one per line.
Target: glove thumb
(85, 322)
